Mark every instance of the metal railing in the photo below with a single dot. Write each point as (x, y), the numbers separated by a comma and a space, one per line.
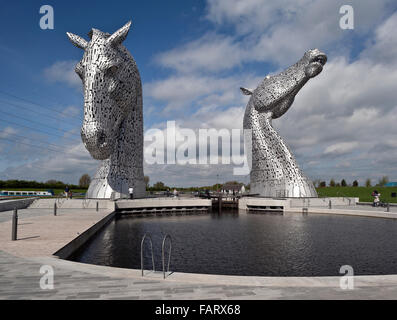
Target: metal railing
(86, 203)
(167, 236)
(146, 235)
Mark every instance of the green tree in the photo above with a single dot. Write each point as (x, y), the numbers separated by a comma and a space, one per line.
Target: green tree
(232, 182)
(355, 183)
(343, 183)
(146, 179)
(323, 184)
(85, 181)
(50, 184)
(383, 181)
(368, 183)
(332, 183)
(160, 186)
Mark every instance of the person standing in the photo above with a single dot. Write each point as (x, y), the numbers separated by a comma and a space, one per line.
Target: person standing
(131, 192)
(67, 192)
(376, 196)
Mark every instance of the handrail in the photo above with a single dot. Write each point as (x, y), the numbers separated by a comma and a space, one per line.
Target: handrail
(169, 254)
(86, 203)
(151, 247)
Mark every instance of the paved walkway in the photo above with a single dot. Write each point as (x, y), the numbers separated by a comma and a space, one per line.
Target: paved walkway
(20, 278)
(42, 234)
(392, 209)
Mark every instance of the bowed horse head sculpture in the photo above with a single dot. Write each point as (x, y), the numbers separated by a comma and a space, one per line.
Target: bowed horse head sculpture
(274, 170)
(112, 128)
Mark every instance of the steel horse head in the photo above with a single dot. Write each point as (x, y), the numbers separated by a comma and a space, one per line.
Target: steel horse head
(112, 128)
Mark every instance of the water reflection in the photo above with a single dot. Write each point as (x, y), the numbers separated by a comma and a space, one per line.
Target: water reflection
(253, 244)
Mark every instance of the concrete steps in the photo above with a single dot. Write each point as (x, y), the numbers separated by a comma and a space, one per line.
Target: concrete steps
(143, 212)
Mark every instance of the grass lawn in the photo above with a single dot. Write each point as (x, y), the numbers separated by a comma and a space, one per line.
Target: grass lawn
(363, 193)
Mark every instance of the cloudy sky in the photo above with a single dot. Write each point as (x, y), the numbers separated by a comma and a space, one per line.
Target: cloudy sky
(193, 56)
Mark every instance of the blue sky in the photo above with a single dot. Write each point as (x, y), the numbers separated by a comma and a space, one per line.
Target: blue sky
(193, 56)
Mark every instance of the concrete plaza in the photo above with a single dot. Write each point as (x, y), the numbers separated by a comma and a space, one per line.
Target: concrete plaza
(41, 234)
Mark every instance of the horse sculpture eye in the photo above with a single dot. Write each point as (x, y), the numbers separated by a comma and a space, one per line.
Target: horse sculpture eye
(111, 71)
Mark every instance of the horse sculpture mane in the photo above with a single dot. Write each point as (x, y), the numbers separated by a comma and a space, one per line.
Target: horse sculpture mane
(112, 129)
(274, 171)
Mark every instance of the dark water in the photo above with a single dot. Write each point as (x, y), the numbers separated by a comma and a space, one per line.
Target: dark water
(254, 244)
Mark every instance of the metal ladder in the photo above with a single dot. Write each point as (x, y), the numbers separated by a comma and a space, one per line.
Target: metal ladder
(167, 236)
(151, 248)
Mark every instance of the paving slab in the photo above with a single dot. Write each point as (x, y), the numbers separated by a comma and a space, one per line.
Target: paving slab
(40, 233)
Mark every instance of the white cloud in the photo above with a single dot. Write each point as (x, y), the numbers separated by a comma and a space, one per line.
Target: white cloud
(211, 52)
(383, 47)
(72, 161)
(7, 131)
(264, 31)
(70, 112)
(179, 92)
(63, 72)
(257, 16)
(341, 148)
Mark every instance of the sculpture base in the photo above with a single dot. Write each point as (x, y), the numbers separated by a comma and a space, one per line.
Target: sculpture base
(304, 188)
(101, 189)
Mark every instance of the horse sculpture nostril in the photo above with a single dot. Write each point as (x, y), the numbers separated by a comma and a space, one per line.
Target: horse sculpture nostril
(101, 138)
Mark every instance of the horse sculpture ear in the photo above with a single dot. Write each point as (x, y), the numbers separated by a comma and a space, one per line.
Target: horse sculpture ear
(119, 36)
(246, 91)
(79, 42)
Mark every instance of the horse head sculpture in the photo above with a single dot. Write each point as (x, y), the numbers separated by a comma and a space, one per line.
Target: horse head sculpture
(112, 128)
(274, 170)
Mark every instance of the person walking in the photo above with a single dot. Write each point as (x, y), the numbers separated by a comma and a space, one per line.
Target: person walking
(131, 192)
(67, 192)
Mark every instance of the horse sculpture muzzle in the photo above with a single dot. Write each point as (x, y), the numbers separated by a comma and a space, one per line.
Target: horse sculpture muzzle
(96, 140)
(315, 62)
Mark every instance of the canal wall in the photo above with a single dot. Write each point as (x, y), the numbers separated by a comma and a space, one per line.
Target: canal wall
(293, 204)
(67, 250)
(162, 203)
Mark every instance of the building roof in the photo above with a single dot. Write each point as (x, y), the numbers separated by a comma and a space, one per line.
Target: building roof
(391, 184)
